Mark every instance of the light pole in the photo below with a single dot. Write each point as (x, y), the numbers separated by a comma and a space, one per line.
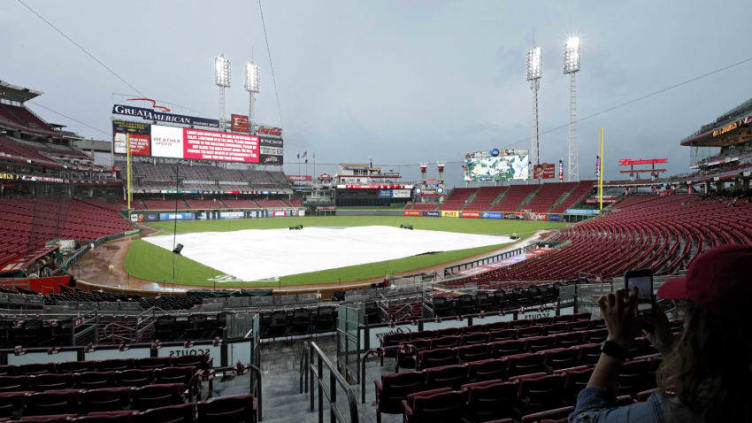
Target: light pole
(252, 85)
(571, 67)
(222, 80)
(534, 74)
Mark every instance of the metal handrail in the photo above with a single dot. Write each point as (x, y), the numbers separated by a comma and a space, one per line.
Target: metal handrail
(368, 353)
(312, 351)
(257, 383)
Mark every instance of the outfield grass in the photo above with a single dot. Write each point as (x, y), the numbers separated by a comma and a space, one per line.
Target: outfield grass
(149, 262)
(522, 228)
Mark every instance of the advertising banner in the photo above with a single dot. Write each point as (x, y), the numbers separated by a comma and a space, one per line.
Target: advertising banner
(605, 200)
(231, 215)
(401, 193)
(492, 215)
(555, 218)
(537, 216)
(385, 193)
(300, 178)
(167, 141)
(176, 216)
(411, 213)
(278, 213)
(271, 151)
(141, 217)
(223, 146)
(544, 171)
(432, 213)
(148, 114)
(269, 130)
(471, 214)
(514, 215)
(238, 123)
(450, 213)
(140, 137)
(581, 212)
(270, 159)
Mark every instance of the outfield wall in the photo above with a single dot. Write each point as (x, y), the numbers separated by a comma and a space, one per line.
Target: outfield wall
(369, 212)
(145, 216)
(497, 215)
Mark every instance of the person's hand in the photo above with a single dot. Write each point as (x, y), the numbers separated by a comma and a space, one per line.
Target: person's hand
(658, 330)
(619, 310)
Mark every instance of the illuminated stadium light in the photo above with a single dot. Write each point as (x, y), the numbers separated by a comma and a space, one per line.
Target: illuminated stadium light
(572, 55)
(252, 78)
(222, 71)
(222, 80)
(534, 65)
(534, 74)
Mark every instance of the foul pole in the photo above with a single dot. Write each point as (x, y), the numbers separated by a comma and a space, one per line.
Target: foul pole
(128, 170)
(600, 177)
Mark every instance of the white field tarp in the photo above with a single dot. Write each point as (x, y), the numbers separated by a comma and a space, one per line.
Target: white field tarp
(262, 254)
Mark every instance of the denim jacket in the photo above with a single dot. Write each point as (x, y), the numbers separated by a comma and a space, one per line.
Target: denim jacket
(598, 405)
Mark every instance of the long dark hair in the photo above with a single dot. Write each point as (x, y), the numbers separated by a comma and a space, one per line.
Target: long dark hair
(710, 366)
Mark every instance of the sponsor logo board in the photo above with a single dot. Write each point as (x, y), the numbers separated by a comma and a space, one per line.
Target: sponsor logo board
(147, 114)
(492, 215)
(239, 123)
(176, 216)
(471, 214)
(411, 213)
(555, 218)
(450, 213)
(432, 213)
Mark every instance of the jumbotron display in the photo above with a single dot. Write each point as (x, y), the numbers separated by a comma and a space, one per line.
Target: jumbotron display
(496, 165)
(184, 143)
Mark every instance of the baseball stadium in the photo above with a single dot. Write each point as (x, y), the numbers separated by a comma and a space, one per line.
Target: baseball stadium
(181, 265)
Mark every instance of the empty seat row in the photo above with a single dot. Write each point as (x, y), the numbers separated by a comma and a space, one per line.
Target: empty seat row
(29, 403)
(102, 379)
(512, 329)
(231, 409)
(198, 361)
(300, 321)
(514, 395)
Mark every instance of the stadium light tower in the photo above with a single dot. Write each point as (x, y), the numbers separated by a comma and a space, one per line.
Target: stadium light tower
(252, 85)
(534, 74)
(222, 80)
(571, 67)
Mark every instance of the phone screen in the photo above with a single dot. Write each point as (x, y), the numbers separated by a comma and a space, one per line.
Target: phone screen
(644, 285)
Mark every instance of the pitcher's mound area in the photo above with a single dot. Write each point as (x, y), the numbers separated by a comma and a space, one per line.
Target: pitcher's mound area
(258, 254)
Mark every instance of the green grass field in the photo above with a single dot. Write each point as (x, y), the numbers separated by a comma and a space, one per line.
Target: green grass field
(149, 262)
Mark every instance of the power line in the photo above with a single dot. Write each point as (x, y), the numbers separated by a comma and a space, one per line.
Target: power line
(69, 118)
(607, 109)
(271, 65)
(80, 47)
(644, 97)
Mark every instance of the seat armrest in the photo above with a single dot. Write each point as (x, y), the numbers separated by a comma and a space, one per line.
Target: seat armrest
(407, 412)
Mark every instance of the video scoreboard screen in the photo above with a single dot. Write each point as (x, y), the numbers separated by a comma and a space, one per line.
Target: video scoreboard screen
(496, 165)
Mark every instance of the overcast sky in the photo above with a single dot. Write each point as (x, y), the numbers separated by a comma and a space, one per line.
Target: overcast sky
(399, 81)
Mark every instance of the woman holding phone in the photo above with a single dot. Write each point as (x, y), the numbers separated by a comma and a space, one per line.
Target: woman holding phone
(706, 372)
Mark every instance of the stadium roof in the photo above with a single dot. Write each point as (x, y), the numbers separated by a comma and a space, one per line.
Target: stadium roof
(15, 93)
(710, 135)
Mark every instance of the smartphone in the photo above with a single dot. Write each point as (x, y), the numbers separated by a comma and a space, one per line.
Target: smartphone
(641, 279)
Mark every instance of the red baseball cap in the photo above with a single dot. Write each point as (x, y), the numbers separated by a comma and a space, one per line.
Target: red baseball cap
(718, 280)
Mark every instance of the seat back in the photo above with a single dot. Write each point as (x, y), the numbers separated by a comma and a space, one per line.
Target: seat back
(153, 396)
(490, 369)
(237, 409)
(181, 413)
(439, 407)
(105, 399)
(492, 401)
(452, 376)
